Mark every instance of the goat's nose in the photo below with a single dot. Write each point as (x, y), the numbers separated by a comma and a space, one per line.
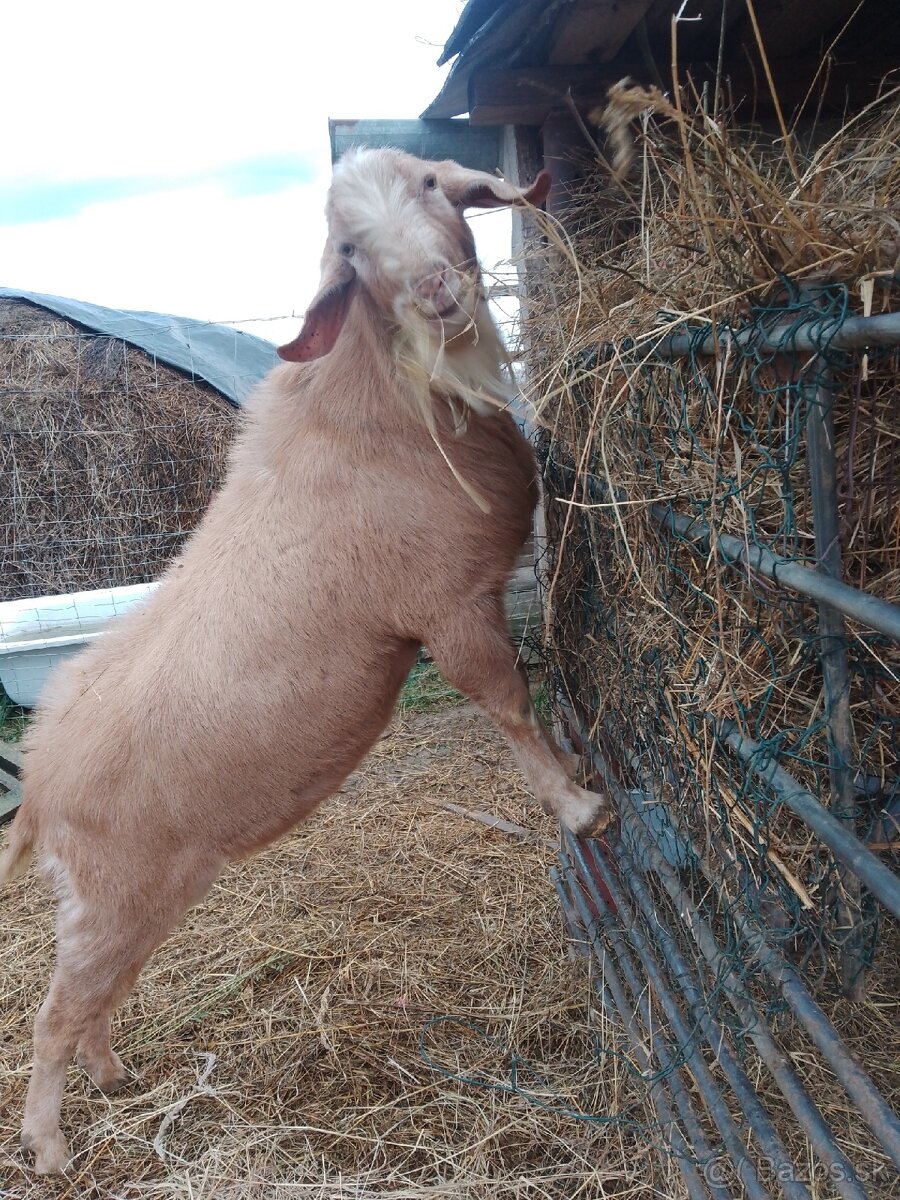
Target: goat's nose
(433, 286)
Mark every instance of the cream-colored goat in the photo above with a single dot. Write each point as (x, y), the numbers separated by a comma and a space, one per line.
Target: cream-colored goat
(376, 501)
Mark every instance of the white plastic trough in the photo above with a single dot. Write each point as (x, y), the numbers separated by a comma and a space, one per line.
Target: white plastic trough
(37, 634)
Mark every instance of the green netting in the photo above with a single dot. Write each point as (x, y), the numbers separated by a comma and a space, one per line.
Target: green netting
(655, 642)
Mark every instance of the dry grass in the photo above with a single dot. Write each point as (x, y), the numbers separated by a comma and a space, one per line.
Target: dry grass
(647, 636)
(711, 223)
(275, 1037)
(108, 459)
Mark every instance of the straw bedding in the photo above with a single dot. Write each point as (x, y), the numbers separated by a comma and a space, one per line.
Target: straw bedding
(275, 1037)
(108, 458)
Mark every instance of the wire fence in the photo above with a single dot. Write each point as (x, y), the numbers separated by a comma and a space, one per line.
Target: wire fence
(721, 578)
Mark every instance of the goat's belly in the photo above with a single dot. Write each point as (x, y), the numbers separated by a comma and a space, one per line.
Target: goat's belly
(303, 759)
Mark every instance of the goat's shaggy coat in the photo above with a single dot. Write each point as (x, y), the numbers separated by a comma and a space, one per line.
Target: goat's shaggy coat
(377, 500)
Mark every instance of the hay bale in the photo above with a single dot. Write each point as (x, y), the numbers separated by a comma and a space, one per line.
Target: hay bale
(728, 226)
(108, 457)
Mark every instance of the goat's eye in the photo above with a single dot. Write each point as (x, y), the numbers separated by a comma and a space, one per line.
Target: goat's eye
(346, 249)
(430, 183)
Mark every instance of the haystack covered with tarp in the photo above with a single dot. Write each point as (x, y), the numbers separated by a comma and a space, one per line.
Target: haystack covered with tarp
(114, 428)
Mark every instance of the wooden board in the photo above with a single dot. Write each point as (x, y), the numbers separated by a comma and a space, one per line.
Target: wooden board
(527, 96)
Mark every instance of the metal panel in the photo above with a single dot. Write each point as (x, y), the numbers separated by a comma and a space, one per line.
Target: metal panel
(664, 899)
(478, 149)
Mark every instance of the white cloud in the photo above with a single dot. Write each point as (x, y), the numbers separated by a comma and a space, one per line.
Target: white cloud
(198, 252)
(111, 91)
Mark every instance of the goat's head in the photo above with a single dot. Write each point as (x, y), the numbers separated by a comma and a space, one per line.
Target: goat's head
(396, 230)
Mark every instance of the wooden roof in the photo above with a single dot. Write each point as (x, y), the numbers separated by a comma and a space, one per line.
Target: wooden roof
(514, 60)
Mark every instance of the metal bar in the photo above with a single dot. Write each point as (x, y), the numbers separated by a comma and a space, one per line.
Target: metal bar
(852, 602)
(612, 996)
(872, 1106)
(709, 1091)
(854, 333)
(804, 1109)
(662, 1047)
(878, 878)
(787, 1173)
(818, 392)
(875, 1110)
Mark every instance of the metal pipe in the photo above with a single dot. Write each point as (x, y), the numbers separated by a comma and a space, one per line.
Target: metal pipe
(852, 602)
(854, 333)
(662, 1047)
(818, 392)
(612, 996)
(791, 1087)
(709, 1092)
(758, 1119)
(879, 879)
(875, 1110)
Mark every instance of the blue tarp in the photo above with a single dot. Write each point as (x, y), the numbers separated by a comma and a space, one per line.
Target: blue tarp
(231, 361)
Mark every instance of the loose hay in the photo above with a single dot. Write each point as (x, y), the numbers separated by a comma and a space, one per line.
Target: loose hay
(720, 225)
(276, 1036)
(108, 459)
(647, 639)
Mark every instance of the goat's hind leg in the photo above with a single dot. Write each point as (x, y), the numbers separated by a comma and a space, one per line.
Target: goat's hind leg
(97, 1057)
(99, 955)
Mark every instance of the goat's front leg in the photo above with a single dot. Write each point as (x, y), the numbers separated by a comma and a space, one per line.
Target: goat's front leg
(473, 652)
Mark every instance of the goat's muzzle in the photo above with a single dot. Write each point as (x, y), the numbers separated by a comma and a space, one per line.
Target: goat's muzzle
(441, 296)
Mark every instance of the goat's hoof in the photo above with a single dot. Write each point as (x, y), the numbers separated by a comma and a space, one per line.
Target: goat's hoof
(108, 1073)
(51, 1152)
(584, 812)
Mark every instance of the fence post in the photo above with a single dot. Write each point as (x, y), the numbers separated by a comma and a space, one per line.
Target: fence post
(816, 386)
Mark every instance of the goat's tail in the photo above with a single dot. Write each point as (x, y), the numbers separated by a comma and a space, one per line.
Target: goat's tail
(16, 855)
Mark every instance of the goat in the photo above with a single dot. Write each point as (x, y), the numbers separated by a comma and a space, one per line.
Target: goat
(376, 500)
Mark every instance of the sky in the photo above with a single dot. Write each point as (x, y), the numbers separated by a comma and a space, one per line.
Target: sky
(174, 157)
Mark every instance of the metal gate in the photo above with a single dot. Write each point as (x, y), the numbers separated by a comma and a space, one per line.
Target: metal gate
(748, 900)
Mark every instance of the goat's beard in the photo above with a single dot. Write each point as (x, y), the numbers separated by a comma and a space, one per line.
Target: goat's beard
(464, 370)
(468, 368)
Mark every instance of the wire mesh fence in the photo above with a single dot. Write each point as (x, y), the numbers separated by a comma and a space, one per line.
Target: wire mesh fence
(721, 580)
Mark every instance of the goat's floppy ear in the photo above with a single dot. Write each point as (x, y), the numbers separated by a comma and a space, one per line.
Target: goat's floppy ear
(325, 317)
(477, 189)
